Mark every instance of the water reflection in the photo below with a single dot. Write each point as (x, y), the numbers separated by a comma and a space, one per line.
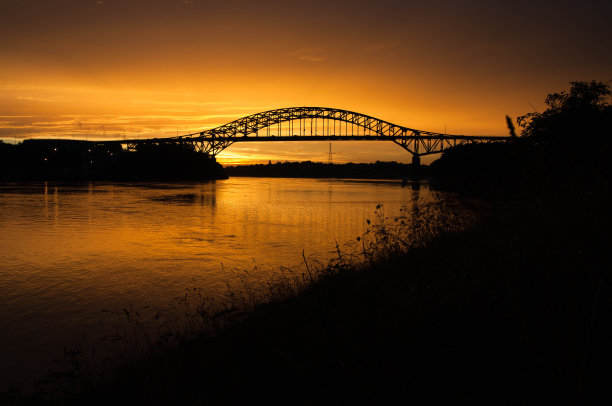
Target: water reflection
(70, 251)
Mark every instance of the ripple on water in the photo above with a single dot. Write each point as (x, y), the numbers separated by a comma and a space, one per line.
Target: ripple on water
(67, 251)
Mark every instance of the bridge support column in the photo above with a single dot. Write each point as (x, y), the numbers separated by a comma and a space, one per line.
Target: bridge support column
(415, 170)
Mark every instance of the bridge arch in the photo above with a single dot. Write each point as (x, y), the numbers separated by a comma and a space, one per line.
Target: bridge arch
(303, 124)
(313, 124)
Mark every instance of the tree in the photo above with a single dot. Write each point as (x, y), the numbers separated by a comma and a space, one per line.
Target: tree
(584, 111)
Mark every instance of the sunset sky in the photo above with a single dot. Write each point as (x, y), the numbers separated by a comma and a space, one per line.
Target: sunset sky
(99, 69)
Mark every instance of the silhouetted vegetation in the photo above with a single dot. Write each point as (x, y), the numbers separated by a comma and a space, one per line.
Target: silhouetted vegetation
(309, 169)
(569, 142)
(584, 113)
(83, 160)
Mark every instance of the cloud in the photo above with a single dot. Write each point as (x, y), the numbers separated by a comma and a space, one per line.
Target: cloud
(39, 99)
(178, 103)
(109, 126)
(246, 110)
(308, 54)
(175, 110)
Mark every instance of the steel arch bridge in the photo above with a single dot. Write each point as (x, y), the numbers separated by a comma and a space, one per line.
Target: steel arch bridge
(318, 124)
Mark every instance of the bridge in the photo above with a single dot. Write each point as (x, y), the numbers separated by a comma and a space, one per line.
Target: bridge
(317, 124)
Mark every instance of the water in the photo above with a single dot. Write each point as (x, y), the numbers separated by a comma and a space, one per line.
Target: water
(70, 251)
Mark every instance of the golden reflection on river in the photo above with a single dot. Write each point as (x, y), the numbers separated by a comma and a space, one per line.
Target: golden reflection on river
(70, 251)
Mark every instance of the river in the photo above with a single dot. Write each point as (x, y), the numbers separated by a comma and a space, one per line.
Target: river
(71, 252)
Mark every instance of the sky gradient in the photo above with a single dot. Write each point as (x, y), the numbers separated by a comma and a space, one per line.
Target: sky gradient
(102, 69)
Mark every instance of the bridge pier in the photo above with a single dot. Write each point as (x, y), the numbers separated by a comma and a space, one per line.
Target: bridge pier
(415, 170)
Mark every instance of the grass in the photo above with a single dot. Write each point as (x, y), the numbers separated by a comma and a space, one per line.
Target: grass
(507, 303)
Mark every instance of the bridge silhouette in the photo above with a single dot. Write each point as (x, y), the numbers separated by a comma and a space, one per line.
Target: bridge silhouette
(316, 124)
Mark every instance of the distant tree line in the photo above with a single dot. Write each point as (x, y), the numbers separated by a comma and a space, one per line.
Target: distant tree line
(83, 160)
(309, 169)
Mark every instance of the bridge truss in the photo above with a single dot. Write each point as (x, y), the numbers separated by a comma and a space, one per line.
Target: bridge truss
(318, 124)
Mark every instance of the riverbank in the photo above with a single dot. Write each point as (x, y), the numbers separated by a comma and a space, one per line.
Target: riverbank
(513, 309)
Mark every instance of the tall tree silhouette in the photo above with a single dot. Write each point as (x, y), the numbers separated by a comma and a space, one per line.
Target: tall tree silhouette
(584, 111)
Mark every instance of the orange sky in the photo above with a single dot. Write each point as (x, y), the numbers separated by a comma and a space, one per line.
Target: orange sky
(97, 69)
